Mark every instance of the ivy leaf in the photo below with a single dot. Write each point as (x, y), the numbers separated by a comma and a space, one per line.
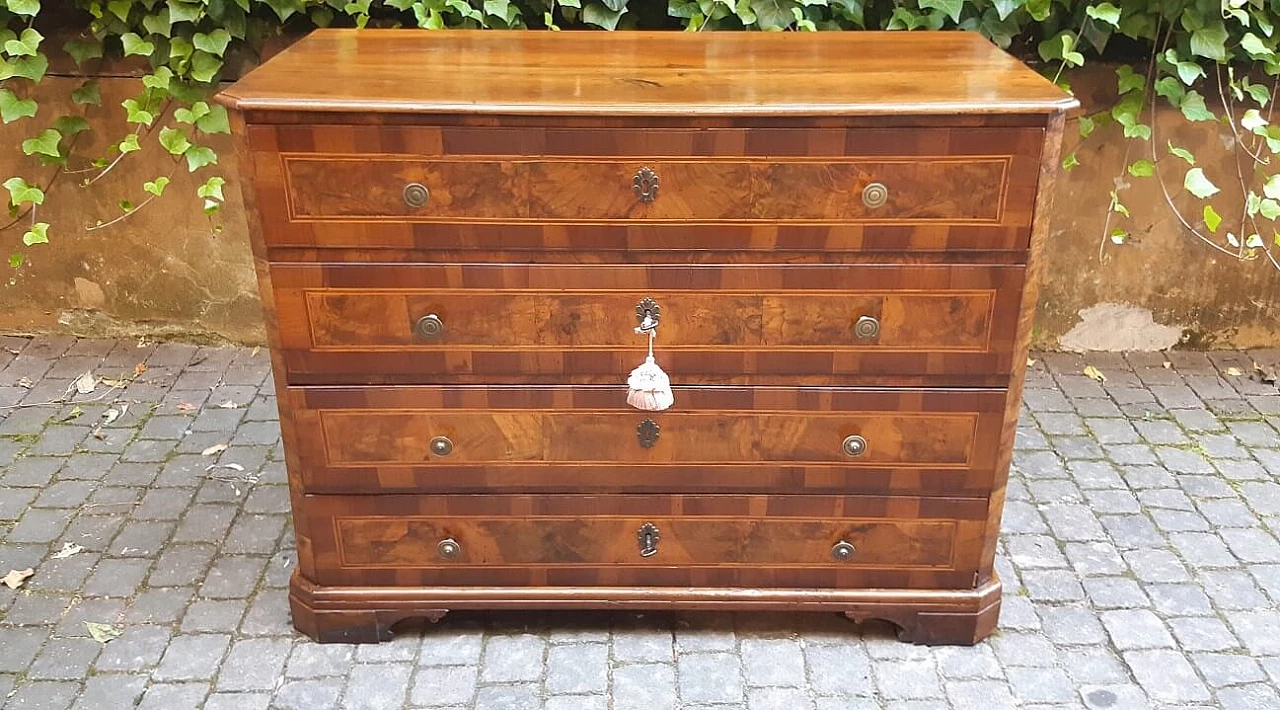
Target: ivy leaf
(190, 11)
(1271, 188)
(1188, 72)
(214, 43)
(174, 140)
(1252, 120)
(1269, 209)
(38, 234)
(204, 66)
(1070, 161)
(83, 50)
(952, 8)
(87, 94)
(1119, 236)
(216, 121)
(1199, 185)
(158, 80)
(129, 144)
(44, 144)
(1210, 42)
(1104, 12)
(1038, 9)
(1142, 168)
(70, 125)
(1260, 93)
(1212, 219)
(15, 260)
(1004, 8)
(24, 7)
(1126, 79)
(32, 68)
(156, 187)
(212, 189)
(1253, 241)
(1182, 153)
(1252, 44)
(1193, 107)
(601, 16)
(197, 111)
(283, 8)
(25, 45)
(773, 14)
(1171, 89)
(135, 45)
(120, 8)
(200, 156)
(1087, 126)
(12, 108)
(136, 114)
(158, 23)
(21, 192)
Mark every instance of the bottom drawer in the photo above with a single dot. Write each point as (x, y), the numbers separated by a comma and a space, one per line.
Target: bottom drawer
(752, 541)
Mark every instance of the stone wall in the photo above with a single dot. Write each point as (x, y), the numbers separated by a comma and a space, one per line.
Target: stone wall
(170, 271)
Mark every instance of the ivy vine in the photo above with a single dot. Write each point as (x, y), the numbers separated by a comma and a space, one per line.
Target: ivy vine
(1215, 61)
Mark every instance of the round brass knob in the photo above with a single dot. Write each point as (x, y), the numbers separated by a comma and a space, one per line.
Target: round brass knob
(866, 328)
(854, 445)
(430, 326)
(416, 194)
(842, 551)
(449, 548)
(875, 195)
(441, 446)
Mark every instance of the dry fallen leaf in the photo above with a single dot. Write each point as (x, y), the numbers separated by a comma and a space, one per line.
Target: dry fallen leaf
(256, 350)
(97, 434)
(139, 369)
(232, 466)
(185, 406)
(1167, 365)
(26, 383)
(86, 383)
(228, 404)
(16, 577)
(1234, 371)
(1030, 362)
(117, 384)
(75, 412)
(215, 449)
(1092, 373)
(15, 351)
(110, 416)
(68, 549)
(1265, 375)
(102, 633)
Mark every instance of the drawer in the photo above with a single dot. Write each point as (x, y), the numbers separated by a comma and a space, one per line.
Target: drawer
(636, 540)
(574, 439)
(360, 323)
(439, 187)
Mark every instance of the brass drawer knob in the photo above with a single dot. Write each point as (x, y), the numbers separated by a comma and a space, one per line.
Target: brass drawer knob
(416, 194)
(449, 548)
(647, 536)
(429, 327)
(441, 446)
(645, 185)
(875, 195)
(866, 328)
(854, 445)
(842, 551)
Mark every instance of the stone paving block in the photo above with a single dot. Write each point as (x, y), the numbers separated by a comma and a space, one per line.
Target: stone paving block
(43, 695)
(1156, 566)
(444, 686)
(64, 659)
(1071, 625)
(647, 686)
(967, 663)
(192, 657)
(1136, 628)
(778, 699)
(117, 577)
(268, 615)
(111, 691)
(158, 606)
(1257, 630)
(181, 565)
(37, 525)
(513, 659)
(838, 671)
(139, 646)
(1098, 665)
(308, 694)
(213, 615)
(444, 646)
(643, 646)
(1166, 676)
(986, 694)
(253, 664)
(1114, 697)
(238, 701)
(578, 669)
(1203, 634)
(710, 678)
(508, 697)
(773, 662)
(909, 679)
(1041, 685)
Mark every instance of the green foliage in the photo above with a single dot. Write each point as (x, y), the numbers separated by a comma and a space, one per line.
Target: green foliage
(1178, 52)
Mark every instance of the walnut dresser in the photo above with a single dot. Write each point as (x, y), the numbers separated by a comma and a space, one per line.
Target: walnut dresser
(457, 233)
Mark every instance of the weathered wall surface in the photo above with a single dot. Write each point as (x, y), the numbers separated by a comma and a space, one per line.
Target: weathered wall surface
(170, 271)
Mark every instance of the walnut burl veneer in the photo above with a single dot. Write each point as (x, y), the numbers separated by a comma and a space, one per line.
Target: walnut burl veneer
(453, 232)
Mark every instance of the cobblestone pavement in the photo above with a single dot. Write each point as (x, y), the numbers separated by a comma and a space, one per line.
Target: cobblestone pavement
(1140, 559)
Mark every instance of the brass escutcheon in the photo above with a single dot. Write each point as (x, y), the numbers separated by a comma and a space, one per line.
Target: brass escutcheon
(645, 185)
(648, 536)
(647, 433)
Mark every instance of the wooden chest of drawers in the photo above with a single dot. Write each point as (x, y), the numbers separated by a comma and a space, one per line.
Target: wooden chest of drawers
(453, 231)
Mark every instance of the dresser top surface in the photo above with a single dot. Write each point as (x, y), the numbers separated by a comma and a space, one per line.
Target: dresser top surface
(645, 73)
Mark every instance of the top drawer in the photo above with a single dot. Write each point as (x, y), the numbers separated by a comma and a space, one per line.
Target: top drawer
(464, 187)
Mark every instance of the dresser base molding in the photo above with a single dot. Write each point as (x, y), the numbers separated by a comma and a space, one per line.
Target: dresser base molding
(367, 614)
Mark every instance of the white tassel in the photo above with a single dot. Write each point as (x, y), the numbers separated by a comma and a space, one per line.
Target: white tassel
(649, 388)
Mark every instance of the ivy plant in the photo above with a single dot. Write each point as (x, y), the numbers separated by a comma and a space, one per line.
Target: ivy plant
(1214, 61)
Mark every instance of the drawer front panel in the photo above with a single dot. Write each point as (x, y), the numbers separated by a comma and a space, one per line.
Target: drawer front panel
(952, 190)
(587, 438)
(574, 537)
(557, 189)
(507, 320)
